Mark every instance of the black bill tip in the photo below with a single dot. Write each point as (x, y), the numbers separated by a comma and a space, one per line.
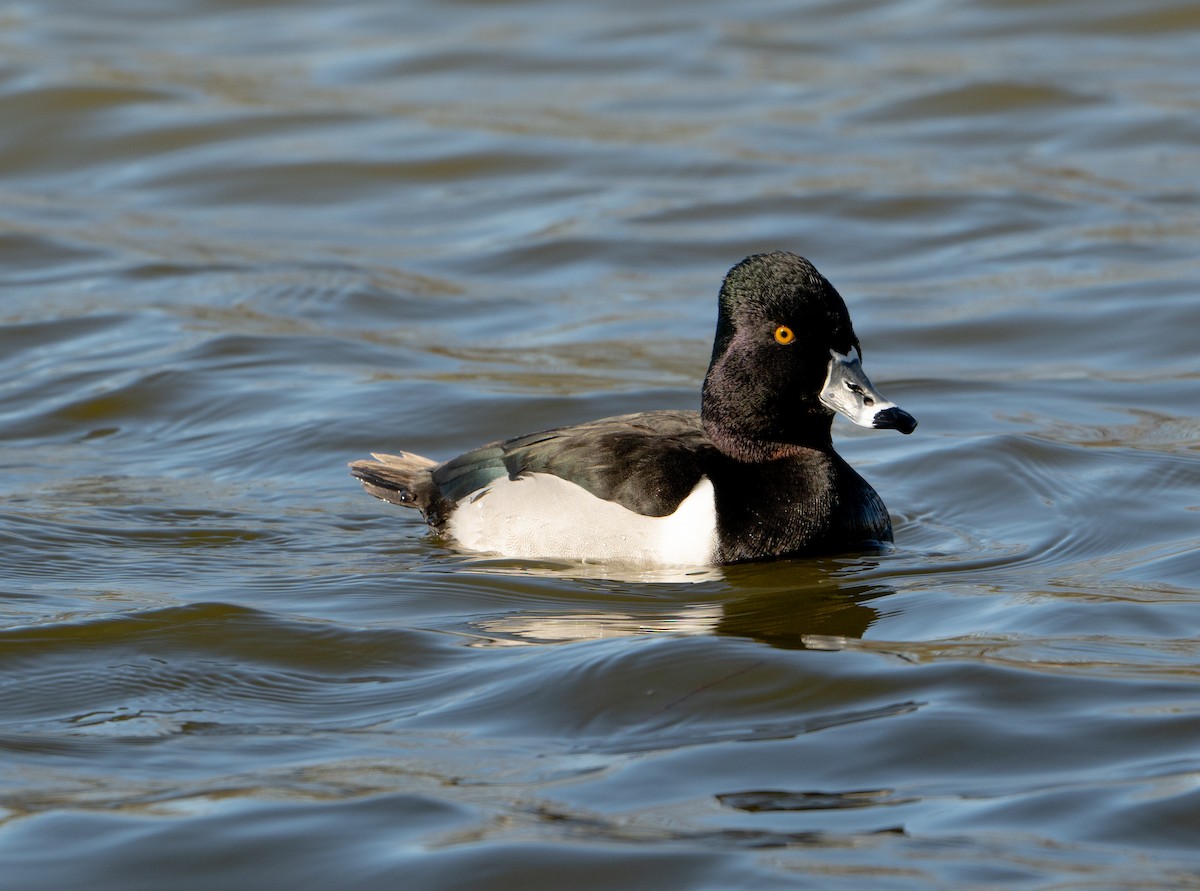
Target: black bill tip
(895, 419)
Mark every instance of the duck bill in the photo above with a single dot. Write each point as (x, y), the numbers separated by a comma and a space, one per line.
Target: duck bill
(849, 392)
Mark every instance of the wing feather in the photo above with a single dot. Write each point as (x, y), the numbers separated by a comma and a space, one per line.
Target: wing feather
(647, 462)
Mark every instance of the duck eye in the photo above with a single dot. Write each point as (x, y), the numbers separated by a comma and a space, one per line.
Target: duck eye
(784, 335)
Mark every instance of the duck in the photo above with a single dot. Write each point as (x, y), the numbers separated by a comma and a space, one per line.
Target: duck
(751, 476)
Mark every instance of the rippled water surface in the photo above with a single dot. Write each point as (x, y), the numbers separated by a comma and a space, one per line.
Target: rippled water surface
(242, 244)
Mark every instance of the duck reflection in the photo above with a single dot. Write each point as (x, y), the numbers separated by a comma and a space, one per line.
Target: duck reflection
(803, 619)
(789, 604)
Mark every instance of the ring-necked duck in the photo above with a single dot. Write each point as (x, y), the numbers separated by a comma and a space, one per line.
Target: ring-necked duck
(752, 475)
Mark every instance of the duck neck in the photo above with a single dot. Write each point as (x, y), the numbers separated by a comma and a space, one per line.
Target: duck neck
(755, 443)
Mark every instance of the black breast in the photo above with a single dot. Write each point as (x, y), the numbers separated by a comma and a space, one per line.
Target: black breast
(806, 504)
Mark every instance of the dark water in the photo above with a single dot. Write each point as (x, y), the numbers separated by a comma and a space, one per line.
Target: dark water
(242, 244)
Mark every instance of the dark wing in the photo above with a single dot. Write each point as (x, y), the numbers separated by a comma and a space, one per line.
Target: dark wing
(647, 462)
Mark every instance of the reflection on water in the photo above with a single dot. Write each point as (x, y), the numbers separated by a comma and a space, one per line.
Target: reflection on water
(821, 620)
(238, 241)
(771, 605)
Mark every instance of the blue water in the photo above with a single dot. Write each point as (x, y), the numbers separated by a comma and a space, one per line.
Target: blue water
(243, 244)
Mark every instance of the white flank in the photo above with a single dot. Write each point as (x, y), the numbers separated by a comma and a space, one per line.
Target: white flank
(539, 515)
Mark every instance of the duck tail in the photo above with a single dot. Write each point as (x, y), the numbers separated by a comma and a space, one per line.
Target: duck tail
(405, 479)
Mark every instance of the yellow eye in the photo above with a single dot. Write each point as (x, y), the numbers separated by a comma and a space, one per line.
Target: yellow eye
(784, 335)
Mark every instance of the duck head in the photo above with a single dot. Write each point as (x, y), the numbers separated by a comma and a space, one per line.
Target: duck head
(785, 359)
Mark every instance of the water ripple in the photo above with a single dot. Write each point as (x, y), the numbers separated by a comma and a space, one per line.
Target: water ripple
(244, 244)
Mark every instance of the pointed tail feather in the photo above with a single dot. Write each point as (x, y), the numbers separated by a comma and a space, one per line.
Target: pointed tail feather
(404, 479)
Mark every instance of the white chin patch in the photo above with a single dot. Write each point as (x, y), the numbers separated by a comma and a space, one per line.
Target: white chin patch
(542, 516)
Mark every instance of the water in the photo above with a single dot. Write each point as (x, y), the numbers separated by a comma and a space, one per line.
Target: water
(243, 244)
